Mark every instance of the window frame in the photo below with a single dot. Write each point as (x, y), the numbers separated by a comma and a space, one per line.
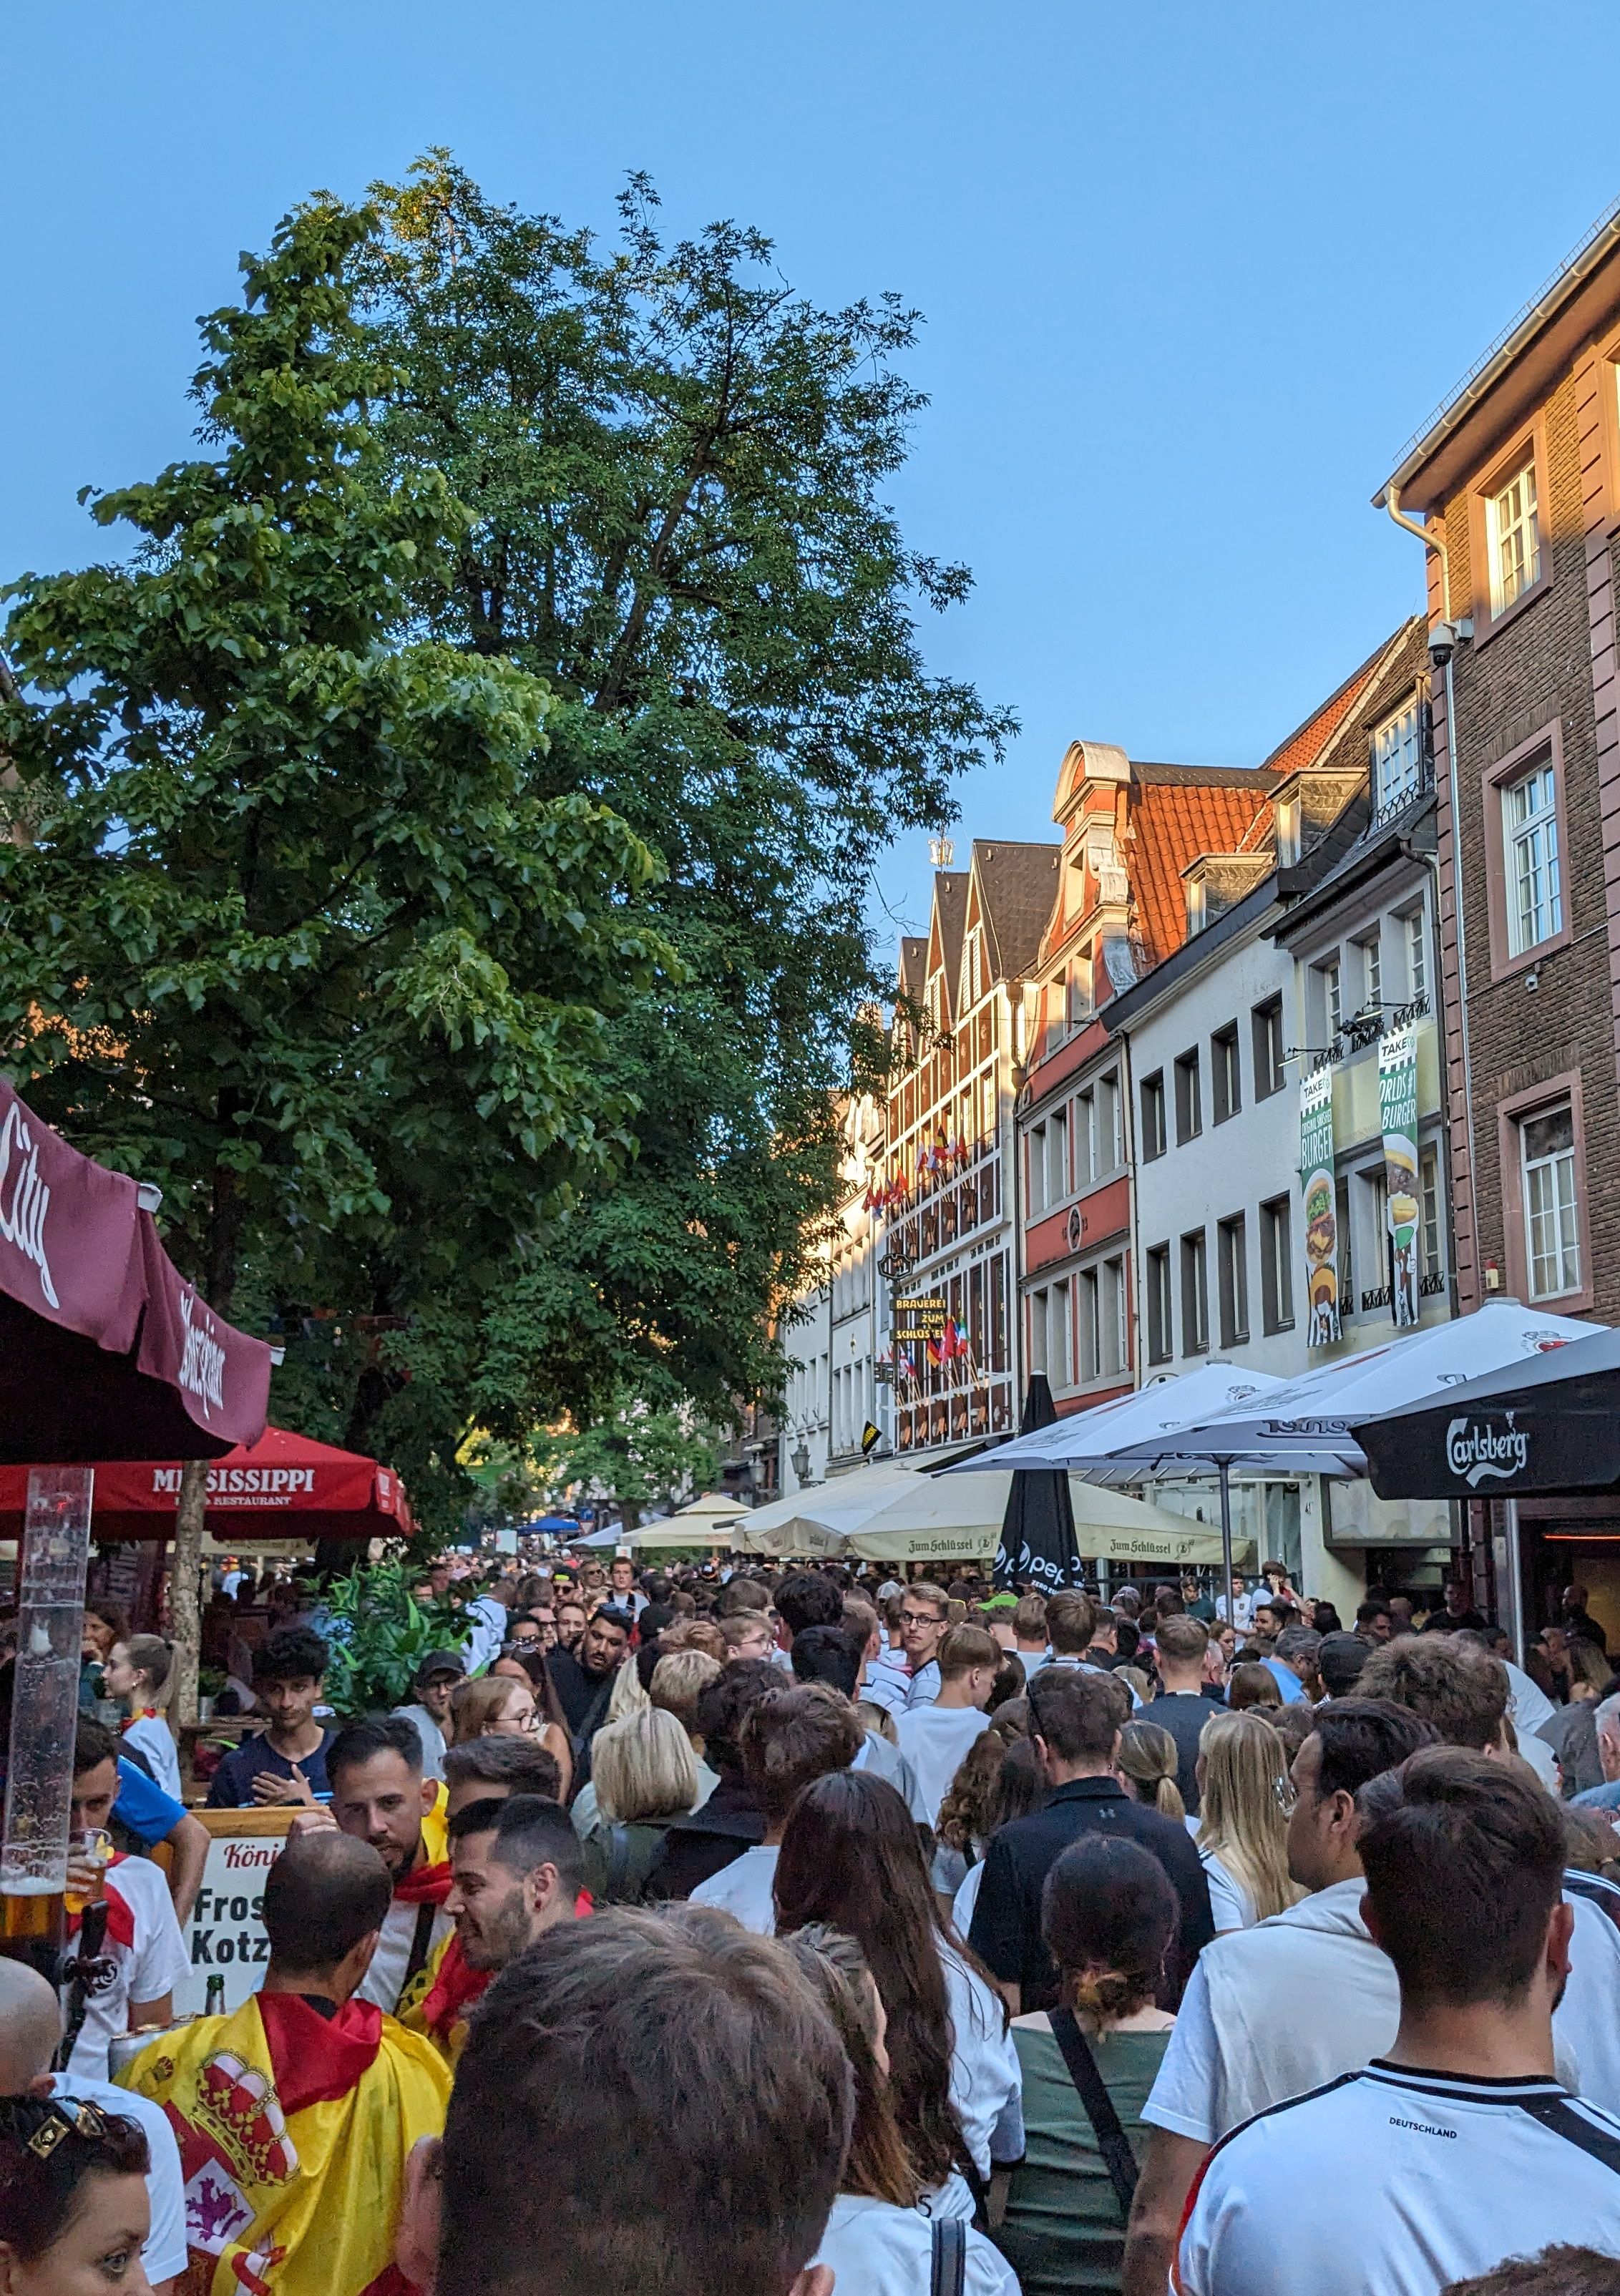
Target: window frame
(1511, 1115)
(1522, 474)
(1414, 933)
(1527, 447)
(1547, 743)
(1189, 1103)
(1225, 1068)
(1195, 1292)
(1261, 1016)
(1232, 1278)
(1384, 799)
(1276, 1265)
(1159, 1307)
(1156, 1136)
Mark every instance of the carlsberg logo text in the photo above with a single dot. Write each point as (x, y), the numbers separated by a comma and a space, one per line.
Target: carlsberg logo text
(1475, 1452)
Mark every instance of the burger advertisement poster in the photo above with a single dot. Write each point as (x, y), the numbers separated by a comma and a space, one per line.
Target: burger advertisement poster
(1321, 1222)
(1398, 1121)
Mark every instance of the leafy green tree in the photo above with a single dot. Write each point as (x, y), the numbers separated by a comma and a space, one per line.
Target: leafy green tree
(674, 470)
(299, 926)
(635, 1456)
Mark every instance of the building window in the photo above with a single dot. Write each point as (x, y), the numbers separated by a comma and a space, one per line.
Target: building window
(1110, 1127)
(1369, 953)
(1413, 924)
(1233, 1247)
(1059, 1361)
(1194, 905)
(1058, 1158)
(1268, 1075)
(1226, 1074)
(1287, 832)
(1434, 1205)
(1530, 849)
(1153, 1116)
(1190, 1099)
(1341, 1206)
(1158, 1304)
(1037, 1169)
(1397, 758)
(1514, 538)
(1329, 1014)
(1090, 1324)
(1276, 1264)
(1039, 1304)
(1117, 1335)
(1547, 1154)
(1195, 1294)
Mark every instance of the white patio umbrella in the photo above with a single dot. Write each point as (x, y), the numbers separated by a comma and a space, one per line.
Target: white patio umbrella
(705, 1521)
(820, 1519)
(1106, 1523)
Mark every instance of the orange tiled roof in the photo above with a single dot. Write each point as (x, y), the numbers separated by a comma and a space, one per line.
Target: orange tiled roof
(1175, 818)
(1309, 741)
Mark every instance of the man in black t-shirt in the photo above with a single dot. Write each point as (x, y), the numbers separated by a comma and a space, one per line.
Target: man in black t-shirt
(1075, 1718)
(1181, 1708)
(287, 1763)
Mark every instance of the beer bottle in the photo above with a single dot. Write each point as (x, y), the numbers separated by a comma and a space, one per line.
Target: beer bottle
(214, 2001)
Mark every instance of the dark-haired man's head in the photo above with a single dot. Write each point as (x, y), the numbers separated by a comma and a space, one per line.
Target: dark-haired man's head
(288, 1668)
(325, 1898)
(1075, 1719)
(517, 1868)
(1464, 1860)
(488, 1767)
(672, 2055)
(1372, 1619)
(1181, 1642)
(1449, 1680)
(724, 1706)
(1339, 1662)
(605, 1640)
(378, 1792)
(789, 1740)
(827, 1654)
(808, 1598)
(1353, 1740)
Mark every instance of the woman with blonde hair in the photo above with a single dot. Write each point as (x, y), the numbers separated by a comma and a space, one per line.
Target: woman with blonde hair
(1146, 1763)
(502, 1704)
(645, 1775)
(1242, 1827)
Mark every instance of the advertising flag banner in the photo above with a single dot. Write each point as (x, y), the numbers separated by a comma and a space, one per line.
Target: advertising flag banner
(1321, 1221)
(1398, 1121)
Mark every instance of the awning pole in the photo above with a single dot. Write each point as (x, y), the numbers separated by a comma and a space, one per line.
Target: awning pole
(1224, 1468)
(1509, 1581)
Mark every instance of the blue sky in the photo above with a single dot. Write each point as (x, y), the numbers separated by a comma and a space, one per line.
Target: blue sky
(1191, 277)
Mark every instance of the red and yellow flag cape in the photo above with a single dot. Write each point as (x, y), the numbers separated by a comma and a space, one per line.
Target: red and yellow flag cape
(293, 2131)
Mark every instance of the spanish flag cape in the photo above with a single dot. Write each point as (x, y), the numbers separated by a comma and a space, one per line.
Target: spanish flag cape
(440, 1999)
(293, 2131)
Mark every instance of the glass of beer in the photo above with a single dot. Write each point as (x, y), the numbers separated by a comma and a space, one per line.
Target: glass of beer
(94, 1849)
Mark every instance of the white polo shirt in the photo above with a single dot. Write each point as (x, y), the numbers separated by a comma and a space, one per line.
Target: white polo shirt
(936, 1739)
(1414, 2181)
(745, 1888)
(145, 1970)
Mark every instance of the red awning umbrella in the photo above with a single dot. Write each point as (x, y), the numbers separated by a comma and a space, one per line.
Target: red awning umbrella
(105, 1351)
(283, 1487)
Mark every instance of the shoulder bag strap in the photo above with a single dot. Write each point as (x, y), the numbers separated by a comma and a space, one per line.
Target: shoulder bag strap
(949, 2276)
(1112, 2141)
(421, 1943)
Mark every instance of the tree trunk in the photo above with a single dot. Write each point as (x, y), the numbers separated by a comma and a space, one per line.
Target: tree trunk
(185, 1588)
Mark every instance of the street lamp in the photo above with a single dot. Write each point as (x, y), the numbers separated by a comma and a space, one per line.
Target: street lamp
(799, 1460)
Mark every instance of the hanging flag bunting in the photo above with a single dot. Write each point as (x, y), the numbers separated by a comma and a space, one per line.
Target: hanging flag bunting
(1321, 1219)
(1398, 1121)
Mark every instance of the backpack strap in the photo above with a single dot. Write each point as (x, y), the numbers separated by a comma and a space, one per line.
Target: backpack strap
(950, 2274)
(1112, 2141)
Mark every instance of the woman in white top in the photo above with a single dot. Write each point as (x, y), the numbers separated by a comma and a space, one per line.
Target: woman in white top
(1242, 1827)
(137, 1675)
(878, 2242)
(850, 1856)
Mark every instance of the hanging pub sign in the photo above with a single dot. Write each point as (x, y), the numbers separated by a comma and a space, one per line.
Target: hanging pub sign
(1321, 1221)
(1398, 1121)
(918, 1317)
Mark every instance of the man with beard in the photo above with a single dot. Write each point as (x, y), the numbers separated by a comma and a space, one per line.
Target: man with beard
(379, 1795)
(584, 1681)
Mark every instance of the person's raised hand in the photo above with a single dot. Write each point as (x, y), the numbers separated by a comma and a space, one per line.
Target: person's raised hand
(316, 1820)
(271, 1789)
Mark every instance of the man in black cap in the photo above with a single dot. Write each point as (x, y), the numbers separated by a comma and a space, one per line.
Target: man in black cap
(434, 1685)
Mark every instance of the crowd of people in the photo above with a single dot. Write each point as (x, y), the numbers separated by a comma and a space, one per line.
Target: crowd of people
(780, 1931)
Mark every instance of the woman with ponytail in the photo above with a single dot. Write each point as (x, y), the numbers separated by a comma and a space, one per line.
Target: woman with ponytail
(1109, 1917)
(1147, 1764)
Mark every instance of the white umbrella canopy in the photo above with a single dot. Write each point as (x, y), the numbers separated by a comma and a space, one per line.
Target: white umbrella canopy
(818, 1520)
(705, 1521)
(1106, 1523)
(1107, 1445)
(1302, 1426)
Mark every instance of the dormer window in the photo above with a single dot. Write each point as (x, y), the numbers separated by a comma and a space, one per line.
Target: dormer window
(1196, 909)
(1397, 758)
(1287, 832)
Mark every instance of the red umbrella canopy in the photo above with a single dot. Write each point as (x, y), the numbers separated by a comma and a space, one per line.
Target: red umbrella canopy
(283, 1487)
(106, 1352)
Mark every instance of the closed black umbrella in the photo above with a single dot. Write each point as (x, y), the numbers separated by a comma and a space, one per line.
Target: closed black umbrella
(1551, 1425)
(1038, 1529)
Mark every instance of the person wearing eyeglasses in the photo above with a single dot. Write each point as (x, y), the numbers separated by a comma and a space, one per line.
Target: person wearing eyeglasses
(925, 1613)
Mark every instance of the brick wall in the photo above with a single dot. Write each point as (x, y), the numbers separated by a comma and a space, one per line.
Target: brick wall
(1507, 687)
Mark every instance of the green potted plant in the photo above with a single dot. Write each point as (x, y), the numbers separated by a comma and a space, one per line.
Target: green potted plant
(378, 1635)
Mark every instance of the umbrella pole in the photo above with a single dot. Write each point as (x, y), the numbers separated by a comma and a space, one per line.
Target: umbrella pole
(1223, 1469)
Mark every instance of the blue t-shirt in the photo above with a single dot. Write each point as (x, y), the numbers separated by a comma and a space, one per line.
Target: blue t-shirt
(1285, 1679)
(141, 1806)
(233, 1785)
